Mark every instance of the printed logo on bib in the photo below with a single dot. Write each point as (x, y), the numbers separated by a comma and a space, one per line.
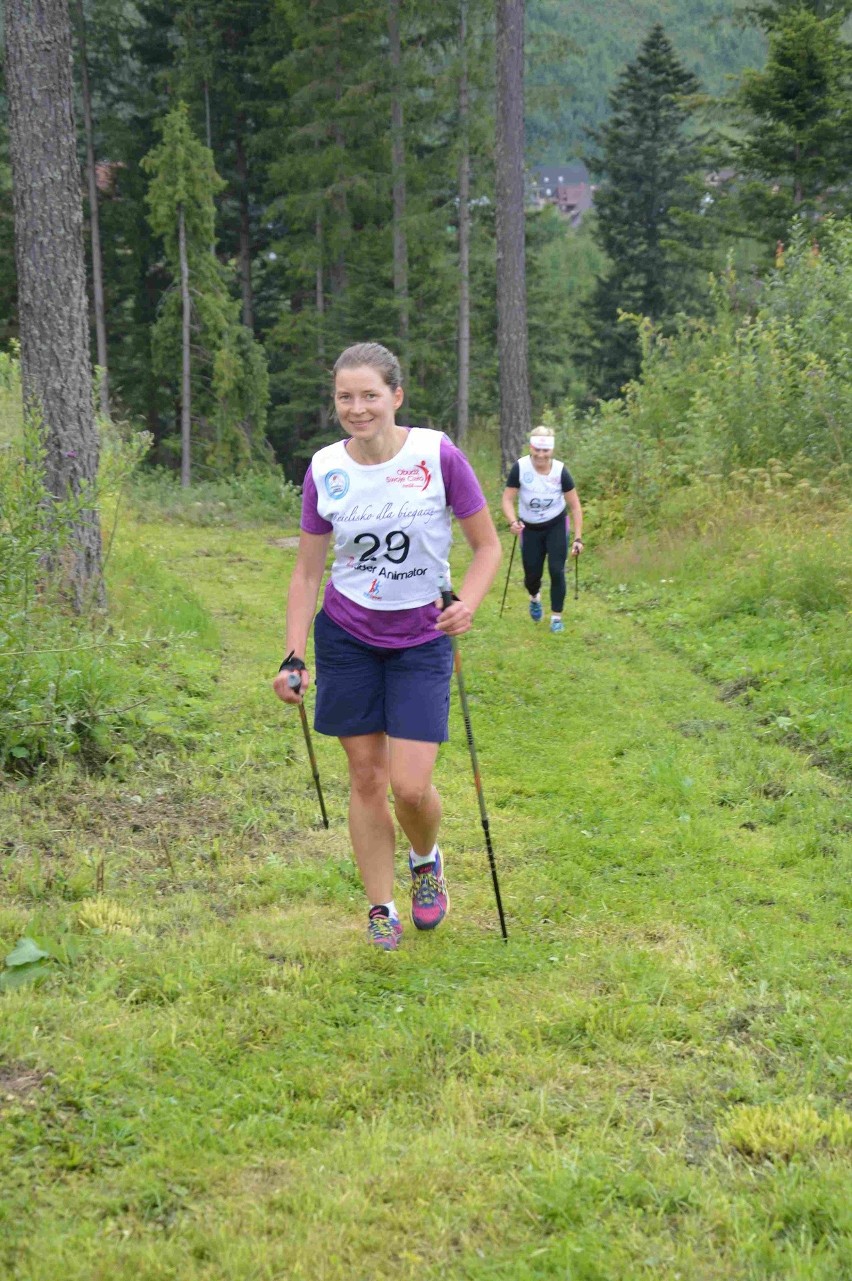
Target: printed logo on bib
(373, 592)
(527, 477)
(417, 477)
(336, 484)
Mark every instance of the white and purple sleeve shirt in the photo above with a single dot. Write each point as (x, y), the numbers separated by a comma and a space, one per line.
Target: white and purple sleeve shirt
(383, 627)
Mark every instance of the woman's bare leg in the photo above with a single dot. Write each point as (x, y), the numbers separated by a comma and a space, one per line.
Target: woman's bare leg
(371, 824)
(416, 800)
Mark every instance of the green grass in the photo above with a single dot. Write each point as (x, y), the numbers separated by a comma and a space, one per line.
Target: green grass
(10, 401)
(251, 498)
(651, 1080)
(760, 603)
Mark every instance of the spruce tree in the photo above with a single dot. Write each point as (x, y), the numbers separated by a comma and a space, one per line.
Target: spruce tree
(651, 163)
(794, 155)
(220, 60)
(223, 381)
(450, 130)
(326, 154)
(129, 47)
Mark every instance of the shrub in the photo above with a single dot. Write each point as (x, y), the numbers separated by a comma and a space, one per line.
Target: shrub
(255, 497)
(725, 396)
(70, 685)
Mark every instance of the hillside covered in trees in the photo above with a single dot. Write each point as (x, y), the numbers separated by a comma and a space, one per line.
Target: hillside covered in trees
(294, 104)
(566, 97)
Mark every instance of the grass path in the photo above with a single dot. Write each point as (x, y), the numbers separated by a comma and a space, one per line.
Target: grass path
(652, 1080)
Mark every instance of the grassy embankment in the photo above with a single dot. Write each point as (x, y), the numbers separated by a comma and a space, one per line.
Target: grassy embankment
(652, 1080)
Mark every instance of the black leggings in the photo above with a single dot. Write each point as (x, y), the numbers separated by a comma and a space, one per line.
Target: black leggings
(549, 540)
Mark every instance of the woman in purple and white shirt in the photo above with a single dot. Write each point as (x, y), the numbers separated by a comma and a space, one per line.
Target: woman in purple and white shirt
(387, 495)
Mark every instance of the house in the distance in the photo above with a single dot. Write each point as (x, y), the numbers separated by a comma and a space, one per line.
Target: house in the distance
(567, 186)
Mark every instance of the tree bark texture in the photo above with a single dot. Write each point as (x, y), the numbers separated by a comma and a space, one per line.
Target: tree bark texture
(185, 383)
(54, 321)
(94, 216)
(515, 408)
(463, 402)
(400, 243)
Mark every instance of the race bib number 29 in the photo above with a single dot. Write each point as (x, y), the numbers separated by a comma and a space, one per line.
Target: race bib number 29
(397, 544)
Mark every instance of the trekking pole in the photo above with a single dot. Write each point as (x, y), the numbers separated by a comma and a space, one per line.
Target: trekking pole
(576, 577)
(294, 680)
(447, 598)
(508, 574)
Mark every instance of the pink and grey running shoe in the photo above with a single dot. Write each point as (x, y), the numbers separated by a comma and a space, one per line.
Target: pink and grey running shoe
(430, 898)
(383, 930)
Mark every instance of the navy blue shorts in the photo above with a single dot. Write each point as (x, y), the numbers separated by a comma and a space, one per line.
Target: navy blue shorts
(363, 689)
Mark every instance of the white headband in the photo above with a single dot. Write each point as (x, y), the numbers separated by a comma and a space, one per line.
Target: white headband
(542, 442)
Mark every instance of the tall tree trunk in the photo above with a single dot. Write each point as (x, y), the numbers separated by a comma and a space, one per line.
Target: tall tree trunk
(241, 165)
(148, 287)
(400, 243)
(320, 308)
(208, 126)
(515, 408)
(463, 406)
(185, 388)
(798, 188)
(54, 323)
(338, 276)
(94, 216)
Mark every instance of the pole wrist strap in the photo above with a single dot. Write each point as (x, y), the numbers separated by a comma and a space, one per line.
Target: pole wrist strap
(292, 664)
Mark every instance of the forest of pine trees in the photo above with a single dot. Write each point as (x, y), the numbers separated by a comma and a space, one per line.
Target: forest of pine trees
(265, 181)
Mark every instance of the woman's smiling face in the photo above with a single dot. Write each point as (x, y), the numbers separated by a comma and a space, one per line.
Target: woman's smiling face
(365, 404)
(541, 456)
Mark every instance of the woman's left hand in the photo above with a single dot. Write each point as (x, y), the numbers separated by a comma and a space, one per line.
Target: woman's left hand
(455, 619)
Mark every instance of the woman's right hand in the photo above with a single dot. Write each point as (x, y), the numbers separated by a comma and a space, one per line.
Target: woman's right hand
(517, 527)
(285, 691)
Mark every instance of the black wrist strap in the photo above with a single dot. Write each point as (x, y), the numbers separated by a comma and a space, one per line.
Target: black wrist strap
(292, 664)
